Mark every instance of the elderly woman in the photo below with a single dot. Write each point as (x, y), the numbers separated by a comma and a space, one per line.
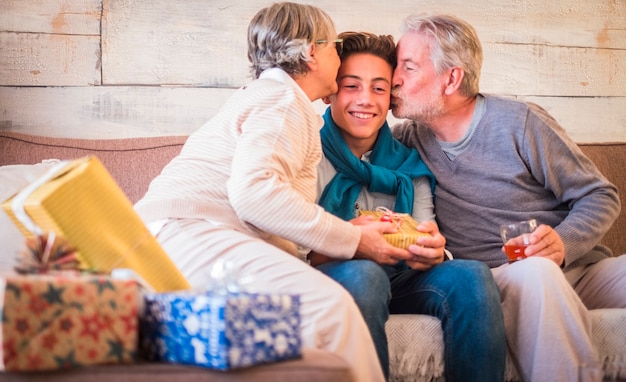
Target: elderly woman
(243, 188)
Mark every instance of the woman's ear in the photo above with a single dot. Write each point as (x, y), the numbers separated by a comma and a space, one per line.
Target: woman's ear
(326, 100)
(312, 64)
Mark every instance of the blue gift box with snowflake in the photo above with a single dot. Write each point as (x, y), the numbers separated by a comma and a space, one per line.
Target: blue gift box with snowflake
(220, 331)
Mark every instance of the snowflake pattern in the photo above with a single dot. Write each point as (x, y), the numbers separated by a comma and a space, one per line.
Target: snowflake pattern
(220, 332)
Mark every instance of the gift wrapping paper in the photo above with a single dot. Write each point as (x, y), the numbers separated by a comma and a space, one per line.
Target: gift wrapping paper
(81, 202)
(407, 228)
(58, 322)
(220, 331)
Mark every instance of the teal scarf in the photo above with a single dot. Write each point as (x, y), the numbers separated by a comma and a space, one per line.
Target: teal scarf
(391, 170)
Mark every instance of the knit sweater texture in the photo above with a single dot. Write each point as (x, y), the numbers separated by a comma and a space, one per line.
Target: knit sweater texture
(253, 168)
(520, 164)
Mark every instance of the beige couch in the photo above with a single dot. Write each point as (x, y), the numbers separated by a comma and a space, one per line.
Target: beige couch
(415, 341)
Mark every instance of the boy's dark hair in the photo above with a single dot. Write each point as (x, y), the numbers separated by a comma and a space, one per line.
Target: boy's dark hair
(382, 46)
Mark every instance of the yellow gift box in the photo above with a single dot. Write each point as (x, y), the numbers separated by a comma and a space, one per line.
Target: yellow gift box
(407, 227)
(80, 201)
(58, 322)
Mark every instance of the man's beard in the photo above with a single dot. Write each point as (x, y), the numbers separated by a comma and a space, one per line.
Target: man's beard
(423, 112)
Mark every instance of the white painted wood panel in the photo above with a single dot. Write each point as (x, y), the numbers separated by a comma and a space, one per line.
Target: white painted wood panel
(553, 71)
(165, 67)
(35, 59)
(108, 112)
(204, 43)
(51, 16)
(578, 23)
(125, 111)
(201, 43)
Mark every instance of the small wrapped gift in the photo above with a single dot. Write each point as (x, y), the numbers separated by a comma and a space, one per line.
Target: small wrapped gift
(407, 227)
(220, 330)
(58, 321)
(79, 201)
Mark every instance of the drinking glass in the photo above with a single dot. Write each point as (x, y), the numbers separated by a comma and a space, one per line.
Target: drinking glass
(515, 237)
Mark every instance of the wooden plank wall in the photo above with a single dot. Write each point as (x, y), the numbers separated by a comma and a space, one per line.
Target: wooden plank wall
(121, 68)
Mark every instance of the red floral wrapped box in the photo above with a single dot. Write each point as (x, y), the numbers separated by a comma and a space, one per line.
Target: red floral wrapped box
(55, 322)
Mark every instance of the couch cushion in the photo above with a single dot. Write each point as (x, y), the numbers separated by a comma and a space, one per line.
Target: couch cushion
(610, 159)
(416, 346)
(144, 158)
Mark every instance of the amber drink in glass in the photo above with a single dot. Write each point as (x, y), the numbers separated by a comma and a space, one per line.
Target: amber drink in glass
(515, 237)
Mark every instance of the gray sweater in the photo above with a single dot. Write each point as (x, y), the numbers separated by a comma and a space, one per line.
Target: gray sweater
(519, 164)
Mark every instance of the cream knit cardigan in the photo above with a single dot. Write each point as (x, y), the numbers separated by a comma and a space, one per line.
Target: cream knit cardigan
(253, 167)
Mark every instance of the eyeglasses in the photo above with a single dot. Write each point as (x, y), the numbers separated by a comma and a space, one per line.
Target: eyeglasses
(338, 44)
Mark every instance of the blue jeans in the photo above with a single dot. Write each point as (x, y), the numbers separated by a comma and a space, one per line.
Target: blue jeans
(461, 293)
(369, 285)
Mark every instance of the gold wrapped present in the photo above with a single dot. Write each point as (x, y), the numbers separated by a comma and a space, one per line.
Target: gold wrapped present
(407, 227)
(58, 322)
(80, 201)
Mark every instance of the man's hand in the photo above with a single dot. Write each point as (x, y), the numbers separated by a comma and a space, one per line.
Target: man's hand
(373, 245)
(546, 242)
(428, 251)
